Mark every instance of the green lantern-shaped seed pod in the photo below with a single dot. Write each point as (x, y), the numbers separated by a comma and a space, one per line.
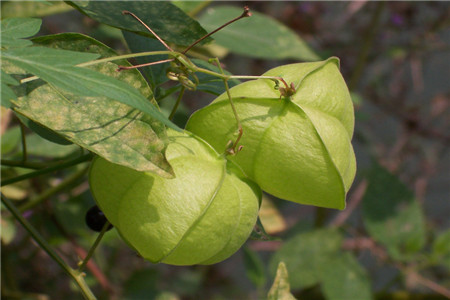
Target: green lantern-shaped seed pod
(296, 148)
(202, 216)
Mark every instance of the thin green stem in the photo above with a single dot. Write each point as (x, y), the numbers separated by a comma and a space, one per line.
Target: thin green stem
(56, 167)
(77, 276)
(232, 149)
(54, 190)
(23, 164)
(177, 103)
(94, 246)
(228, 77)
(24, 142)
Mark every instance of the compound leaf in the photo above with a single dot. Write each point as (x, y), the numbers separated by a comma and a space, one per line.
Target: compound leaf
(13, 30)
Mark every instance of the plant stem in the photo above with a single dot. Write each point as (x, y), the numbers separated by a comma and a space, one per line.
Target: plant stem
(320, 217)
(175, 107)
(23, 164)
(245, 14)
(24, 142)
(173, 54)
(94, 246)
(54, 190)
(77, 276)
(240, 130)
(56, 167)
(126, 12)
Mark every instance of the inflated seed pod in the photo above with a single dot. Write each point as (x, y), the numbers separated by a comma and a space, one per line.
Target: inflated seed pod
(202, 216)
(297, 148)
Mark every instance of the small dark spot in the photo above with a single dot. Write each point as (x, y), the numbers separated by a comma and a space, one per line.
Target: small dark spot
(96, 219)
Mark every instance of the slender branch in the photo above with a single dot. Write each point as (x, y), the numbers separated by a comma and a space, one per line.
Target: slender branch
(175, 107)
(232, 150)
(437, 288)
(24, 142)
(94, 246)
(144, 65)
(23, 164)
(77, 276)
(240, 129)
(56, 167)
(245, 14)
(126, 12)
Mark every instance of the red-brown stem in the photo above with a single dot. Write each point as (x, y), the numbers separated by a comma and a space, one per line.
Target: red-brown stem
(126, 12)
(245, 14)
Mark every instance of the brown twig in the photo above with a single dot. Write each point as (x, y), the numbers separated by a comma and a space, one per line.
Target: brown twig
(126, 12)
(245, 14)
(353, 203)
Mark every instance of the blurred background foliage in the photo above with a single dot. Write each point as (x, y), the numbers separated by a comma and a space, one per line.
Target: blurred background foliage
(391, 242)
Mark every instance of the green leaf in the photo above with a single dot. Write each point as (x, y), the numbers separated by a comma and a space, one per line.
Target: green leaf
(280, 289)
(10, 140)
(38, 146)
(8, 79)
(164, 18)
(14, 29)
(115, 131)
(55, 67)
(344, 278)
(257, 36)
(392, 215)
(7, 93)
(33, 8)
(20, 27)
(254, 267)
(49, 59)
(441, 249)
(308, 255)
